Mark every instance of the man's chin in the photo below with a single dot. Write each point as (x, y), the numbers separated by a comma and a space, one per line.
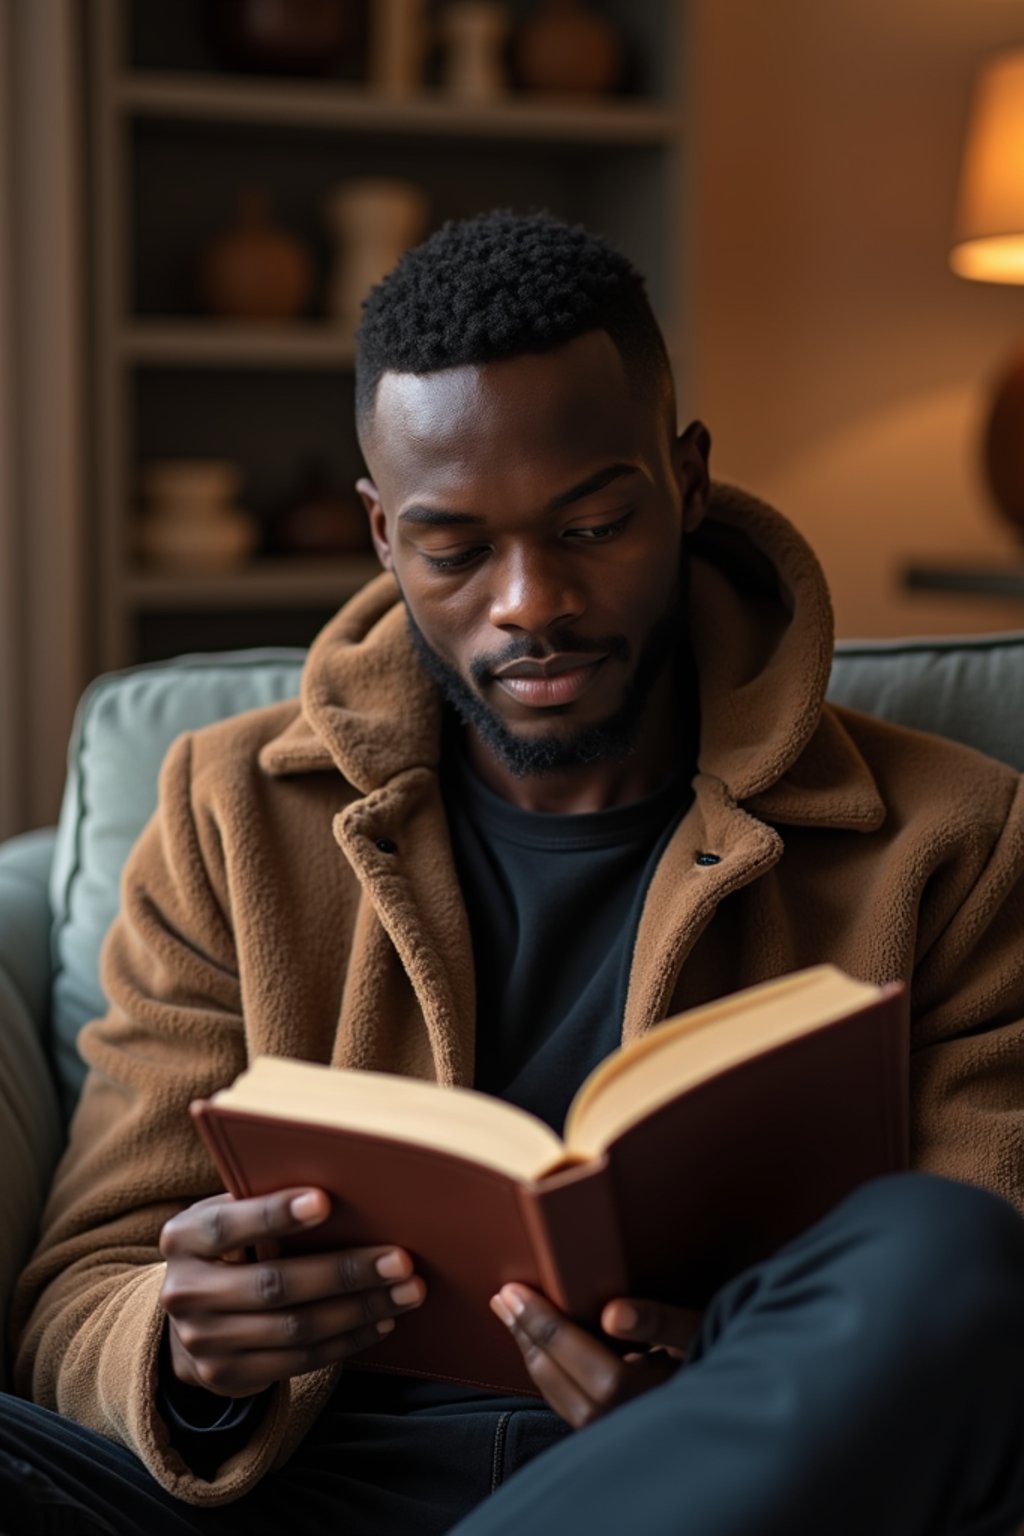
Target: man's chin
(538, 747)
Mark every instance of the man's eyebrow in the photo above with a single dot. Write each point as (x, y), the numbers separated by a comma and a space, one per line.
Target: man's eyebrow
(440, 517)
(435, 517)
(591, 484)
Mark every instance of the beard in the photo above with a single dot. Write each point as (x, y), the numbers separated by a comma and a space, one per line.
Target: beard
(610, 740)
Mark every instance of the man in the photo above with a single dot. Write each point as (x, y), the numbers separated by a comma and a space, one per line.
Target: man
(564, 769)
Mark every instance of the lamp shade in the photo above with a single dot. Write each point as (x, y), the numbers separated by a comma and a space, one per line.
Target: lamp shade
(990, 215)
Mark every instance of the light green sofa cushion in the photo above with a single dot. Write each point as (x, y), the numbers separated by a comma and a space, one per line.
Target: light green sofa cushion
(123, 727)
(970, 689)
(30, 1122)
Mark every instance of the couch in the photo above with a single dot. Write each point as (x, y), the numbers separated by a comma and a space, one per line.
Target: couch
(59, 885)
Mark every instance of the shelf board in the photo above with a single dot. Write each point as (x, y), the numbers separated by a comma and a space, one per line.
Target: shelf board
(187, 343)
(304, 581)
(313, 104)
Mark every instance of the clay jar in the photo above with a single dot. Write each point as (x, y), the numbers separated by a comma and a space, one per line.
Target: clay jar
(255, 271)
(564, 47)
(299, 37)
(320, 520)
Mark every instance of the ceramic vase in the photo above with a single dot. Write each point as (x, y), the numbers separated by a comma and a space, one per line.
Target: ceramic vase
(566, 47)
(372, 221)
(190, 522)
(298, 37)
(319, 519)
(254, 270)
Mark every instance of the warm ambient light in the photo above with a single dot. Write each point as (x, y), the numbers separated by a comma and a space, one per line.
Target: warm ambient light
(990, 215)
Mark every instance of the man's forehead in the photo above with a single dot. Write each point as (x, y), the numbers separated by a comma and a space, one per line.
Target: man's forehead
(577, 390)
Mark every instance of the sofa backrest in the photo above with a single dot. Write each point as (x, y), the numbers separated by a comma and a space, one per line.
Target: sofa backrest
(969, 689)
(123, 726)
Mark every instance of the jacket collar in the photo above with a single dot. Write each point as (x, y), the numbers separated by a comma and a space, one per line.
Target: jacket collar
(762, 636)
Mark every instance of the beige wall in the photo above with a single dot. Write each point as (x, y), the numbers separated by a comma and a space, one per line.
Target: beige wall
(840, 365)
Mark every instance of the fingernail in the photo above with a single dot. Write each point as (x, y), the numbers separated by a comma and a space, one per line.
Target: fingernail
(499, 1308)
(308, 1207)
(386, 1325)
(393, 1265)
(401, 1295)
(514, 1299)
(626, 1318)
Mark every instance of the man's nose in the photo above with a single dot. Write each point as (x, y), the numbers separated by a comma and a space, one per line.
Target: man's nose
(534, 589)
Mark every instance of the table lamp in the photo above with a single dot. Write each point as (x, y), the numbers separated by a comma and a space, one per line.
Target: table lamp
(989, 248)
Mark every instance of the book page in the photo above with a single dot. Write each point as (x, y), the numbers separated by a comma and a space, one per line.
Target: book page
(458, 1120)
(697, 1045)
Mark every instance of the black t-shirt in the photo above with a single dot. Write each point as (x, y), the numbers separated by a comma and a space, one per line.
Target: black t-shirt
(553, 903)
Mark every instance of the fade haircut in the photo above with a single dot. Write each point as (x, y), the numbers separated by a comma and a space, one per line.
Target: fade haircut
(500, 285)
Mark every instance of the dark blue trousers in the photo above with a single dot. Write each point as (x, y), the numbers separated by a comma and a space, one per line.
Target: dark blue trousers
(867, 1378)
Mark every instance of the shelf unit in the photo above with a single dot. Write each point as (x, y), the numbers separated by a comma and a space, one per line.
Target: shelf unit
(173, 137)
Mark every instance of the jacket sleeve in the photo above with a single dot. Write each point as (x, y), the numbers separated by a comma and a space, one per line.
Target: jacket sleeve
(87, 1319)
(967, 1062)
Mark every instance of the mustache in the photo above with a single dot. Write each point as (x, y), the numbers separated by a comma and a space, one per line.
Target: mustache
(482, 668)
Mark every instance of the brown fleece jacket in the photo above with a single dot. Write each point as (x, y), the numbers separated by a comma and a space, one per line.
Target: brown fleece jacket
(260, 914)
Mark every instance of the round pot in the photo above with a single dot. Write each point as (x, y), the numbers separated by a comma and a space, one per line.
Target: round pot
(254, 270)
(565, 47)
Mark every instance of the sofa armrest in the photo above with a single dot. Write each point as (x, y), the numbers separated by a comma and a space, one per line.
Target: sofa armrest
(31, 1133)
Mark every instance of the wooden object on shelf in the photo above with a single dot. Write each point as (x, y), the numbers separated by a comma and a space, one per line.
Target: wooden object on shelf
(398, 45)
(190, 522)
(373, 219)
(320, 520)
(566, 46)
(295, 37)
(475, 32)
(254, 270)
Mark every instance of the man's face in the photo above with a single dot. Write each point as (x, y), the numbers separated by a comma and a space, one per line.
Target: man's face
(533, 513)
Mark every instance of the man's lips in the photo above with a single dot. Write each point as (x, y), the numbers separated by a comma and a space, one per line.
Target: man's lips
(559, 680)
(551, 666)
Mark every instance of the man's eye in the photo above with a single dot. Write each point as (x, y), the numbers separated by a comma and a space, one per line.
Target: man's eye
(600, 532)
(450, 562)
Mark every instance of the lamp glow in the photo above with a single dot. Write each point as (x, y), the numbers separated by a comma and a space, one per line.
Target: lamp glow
(989, 243)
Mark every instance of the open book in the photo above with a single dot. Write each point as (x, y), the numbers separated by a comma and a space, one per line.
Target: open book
(687, 1155)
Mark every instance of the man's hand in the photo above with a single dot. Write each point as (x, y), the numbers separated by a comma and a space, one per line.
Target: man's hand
(581, 1378)
(235, 1328)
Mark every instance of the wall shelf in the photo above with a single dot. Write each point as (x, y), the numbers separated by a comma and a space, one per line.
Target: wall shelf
(272, 583)
(174, 343)
(312, 104)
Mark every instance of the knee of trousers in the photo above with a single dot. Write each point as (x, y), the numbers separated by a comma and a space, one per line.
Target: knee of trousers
(940, 1252)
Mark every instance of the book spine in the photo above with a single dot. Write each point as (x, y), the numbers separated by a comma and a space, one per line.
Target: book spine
(218, 1144)
(570, 1218)
(215, 1135)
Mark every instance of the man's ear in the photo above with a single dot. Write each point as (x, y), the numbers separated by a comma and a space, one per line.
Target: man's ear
(691, 453)
(378, 523)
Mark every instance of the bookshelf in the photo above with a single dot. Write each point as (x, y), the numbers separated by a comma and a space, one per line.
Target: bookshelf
(173, 137)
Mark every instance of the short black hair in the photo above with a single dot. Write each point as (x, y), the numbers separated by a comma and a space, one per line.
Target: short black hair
(500, 285)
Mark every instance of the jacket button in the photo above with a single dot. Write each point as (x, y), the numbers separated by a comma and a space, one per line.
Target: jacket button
(708, 858)
(386, 845)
